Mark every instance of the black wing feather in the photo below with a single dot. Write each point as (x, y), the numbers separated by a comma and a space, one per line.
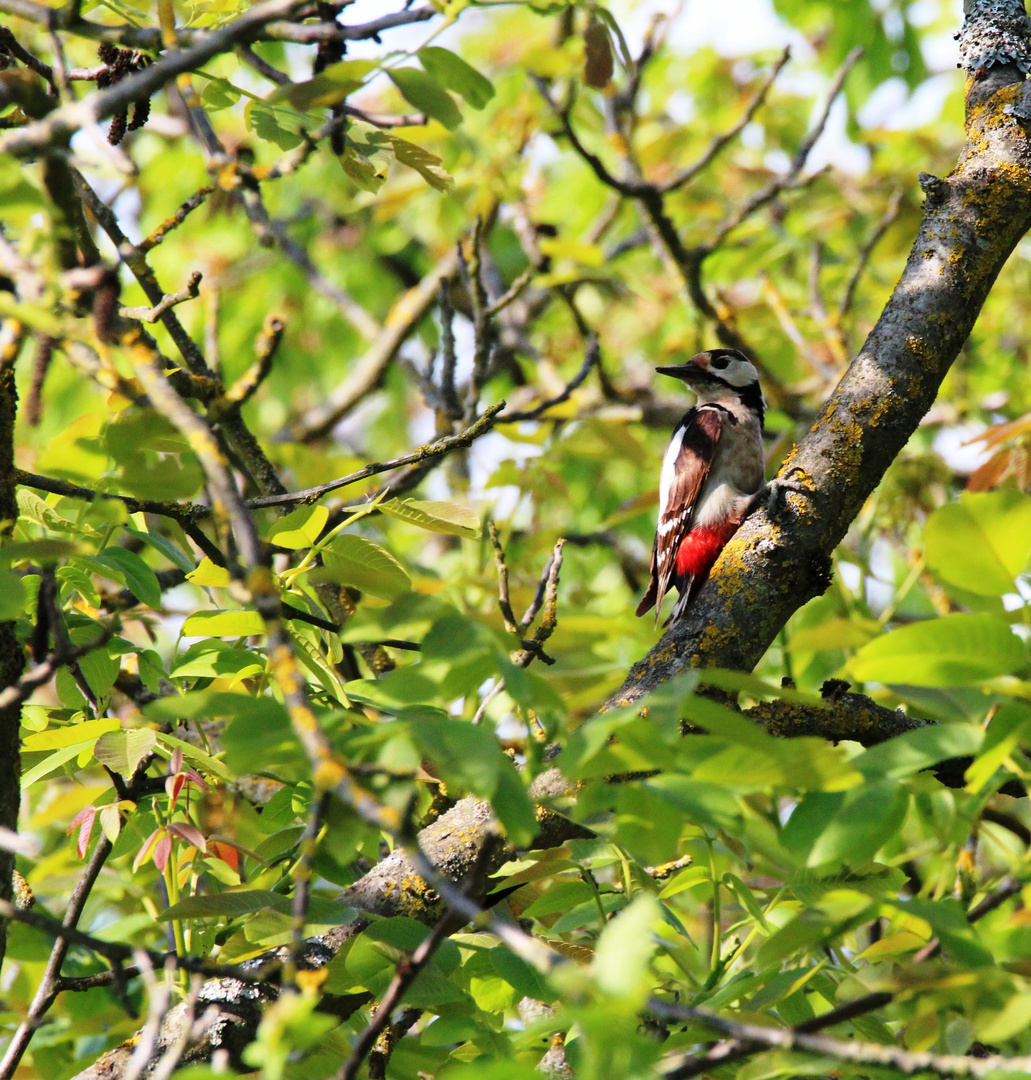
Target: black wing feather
(702, 427)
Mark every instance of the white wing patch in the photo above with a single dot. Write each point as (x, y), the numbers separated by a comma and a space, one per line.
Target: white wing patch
(669, 470)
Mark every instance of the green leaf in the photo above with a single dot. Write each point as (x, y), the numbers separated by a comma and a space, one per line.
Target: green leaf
(625, 948)
(198, 757)
(273, 124)
(746, 898)
(470, 758)
(257, 738)
(13, 596)
(331, 86)
(139, 429)
(438, 517)
(949, 922)
(229, 905)
(300, 528)
(915, 750)
(174, 554)
(353, 560)
(525, 979)
(138, 575)
(71, 735)
(983, 542)
(213, 704)
(214, 658)
(49, 764)
(454, 73)
(31, 506)
(241, 623)
(361, 172)
(219, 94)
(427, 165)
(874, 879)
(46, 552)
(949, 651)
(850, 825)
(427, 95)
(122, 751)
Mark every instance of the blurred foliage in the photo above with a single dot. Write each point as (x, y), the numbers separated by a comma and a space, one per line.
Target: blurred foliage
(810, 873)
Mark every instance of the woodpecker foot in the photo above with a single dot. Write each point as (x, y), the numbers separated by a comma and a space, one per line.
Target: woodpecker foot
(778, 488)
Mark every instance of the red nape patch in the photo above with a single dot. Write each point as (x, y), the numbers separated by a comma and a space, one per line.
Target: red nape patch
(698, 550)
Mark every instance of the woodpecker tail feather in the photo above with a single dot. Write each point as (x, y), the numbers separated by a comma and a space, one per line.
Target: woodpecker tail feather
(648, 600)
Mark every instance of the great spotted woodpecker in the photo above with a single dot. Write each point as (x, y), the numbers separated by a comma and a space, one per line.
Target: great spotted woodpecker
(711, 473)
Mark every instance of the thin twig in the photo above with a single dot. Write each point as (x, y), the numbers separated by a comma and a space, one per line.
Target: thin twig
(499, 558)
(875, 1054)
(890, 214)
(790, 178)
(42, 673)
(262, 66)
(513, 292)
(721, 141)
(170, 223)
(546, 594)
(150, 38)
(247, 385)
(405, 974)
(591, 359)
(483, 335)
(301, 873)
(735, 1049)
(60, 125)
(402, 320)
(423, 453)
(66, 934)
(178, 511)
(166, 303)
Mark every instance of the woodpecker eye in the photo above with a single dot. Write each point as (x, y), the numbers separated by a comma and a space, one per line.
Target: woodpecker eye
(720, 362)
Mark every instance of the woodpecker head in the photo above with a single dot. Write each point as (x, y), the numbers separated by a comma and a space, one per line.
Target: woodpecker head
(720, 374)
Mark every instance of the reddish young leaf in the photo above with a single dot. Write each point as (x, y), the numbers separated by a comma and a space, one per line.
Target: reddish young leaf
(190, 833)
(226, 852)
(84, 820)
(162, 850)
(148, 846)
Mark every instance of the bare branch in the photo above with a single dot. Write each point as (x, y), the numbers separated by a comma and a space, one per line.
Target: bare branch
(503, 601)
(151, 39)
(161, 232)
(890, 214)
(408, 311)
(424, 453)
(247, 385)
(546, 594)
(58, 127)
(181, 512)
(591, 360)
(309, 34)
(721, 141)
(166, 303)
(405, 974)
(907, 1061)
(42, 673)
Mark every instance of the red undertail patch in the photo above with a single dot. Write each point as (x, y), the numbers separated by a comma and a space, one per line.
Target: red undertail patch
(698, 550)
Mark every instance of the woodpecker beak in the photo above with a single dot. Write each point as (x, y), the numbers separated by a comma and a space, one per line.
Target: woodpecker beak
(686, 372)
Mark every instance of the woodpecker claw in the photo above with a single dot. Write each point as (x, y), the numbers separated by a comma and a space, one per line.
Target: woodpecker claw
(776, 493)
